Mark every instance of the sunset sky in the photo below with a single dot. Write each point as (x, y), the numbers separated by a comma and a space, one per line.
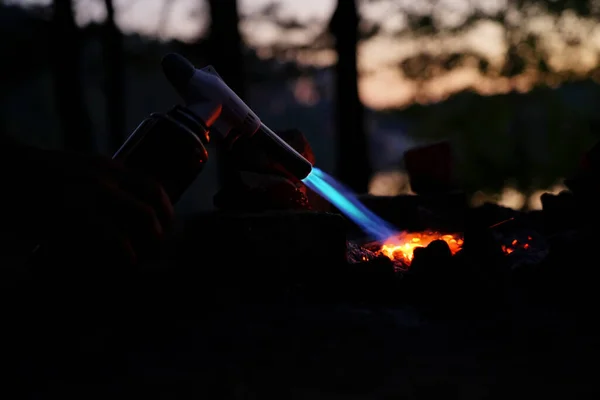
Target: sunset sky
(384, 85)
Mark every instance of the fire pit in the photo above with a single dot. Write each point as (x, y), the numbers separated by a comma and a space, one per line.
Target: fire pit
(510, 243)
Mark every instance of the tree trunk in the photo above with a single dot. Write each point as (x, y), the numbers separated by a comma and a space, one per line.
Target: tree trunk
(225, 48)
(225, 44)
(114, 79)
(68, 82)
(353, 166)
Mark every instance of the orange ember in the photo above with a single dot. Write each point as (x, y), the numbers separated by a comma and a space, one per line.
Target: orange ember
(402, 248)
(515, 245)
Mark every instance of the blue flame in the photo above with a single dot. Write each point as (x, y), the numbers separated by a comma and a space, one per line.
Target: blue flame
(347, 202)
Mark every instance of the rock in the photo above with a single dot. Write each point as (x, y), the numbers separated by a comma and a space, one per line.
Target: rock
(585, 186)
(431, 261)
(439, 249)
(560, 212)
(430, 168)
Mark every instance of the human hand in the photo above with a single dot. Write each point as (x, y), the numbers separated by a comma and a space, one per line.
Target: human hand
(250, 155)
(258, 183)
(88, 205)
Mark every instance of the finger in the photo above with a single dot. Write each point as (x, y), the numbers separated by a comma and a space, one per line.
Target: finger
(147, 191)
(138, 184)
(131, 220)
(137, 219)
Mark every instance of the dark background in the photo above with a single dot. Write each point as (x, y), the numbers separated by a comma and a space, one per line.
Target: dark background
(85, 86)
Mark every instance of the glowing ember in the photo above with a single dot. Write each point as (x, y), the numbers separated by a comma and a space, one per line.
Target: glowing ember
(402, 248)
(516, 245)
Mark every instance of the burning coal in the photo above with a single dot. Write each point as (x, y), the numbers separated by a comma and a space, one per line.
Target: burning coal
(516, 245)
(401, 247)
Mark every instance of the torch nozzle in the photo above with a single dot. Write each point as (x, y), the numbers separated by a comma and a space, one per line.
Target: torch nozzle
(282, 153)
(178, 70)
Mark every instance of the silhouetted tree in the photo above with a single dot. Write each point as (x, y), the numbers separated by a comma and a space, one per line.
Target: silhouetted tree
(225, 43)
(66, 56)
(353, 166)
(225, 54)
(114, 78)
(523, 52)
